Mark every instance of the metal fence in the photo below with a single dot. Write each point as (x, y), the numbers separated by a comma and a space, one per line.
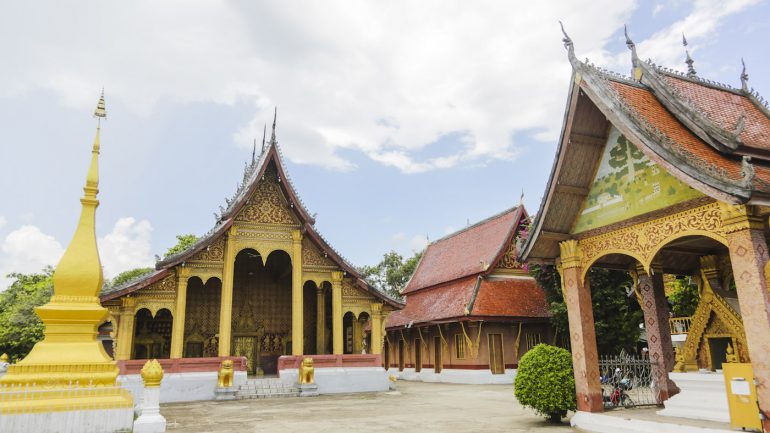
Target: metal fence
(628, 381)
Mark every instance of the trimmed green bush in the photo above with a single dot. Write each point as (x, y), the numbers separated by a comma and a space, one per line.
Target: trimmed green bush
(545, 381)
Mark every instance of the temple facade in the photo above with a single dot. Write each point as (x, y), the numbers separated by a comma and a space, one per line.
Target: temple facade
(662, 173)
(261, 284)
(471, 309)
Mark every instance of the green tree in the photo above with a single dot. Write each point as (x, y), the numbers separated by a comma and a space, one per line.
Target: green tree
(183, 242)
(20, 327)
(392, 273)
(684, 297)
(128, 275)
(545, 381)
(616, 315)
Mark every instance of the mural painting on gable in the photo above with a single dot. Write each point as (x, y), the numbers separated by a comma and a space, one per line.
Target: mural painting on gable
(628, 184)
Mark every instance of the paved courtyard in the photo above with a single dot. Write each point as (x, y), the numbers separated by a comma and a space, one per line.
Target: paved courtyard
(415, 407)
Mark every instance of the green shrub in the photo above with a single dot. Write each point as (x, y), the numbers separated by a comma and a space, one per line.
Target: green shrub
(545, 382)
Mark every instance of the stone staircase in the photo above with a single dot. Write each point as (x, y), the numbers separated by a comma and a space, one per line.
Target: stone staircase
(267, 388)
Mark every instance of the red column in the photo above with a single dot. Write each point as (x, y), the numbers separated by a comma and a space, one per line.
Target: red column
(661, 351)
(748, 254)
(585, 358)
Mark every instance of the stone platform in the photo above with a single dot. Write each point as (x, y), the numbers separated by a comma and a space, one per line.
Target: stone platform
(703, 396)
(460, 376)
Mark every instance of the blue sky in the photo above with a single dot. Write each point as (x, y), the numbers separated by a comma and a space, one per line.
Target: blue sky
(399, 121)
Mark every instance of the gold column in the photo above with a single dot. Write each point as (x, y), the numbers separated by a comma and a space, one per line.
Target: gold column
(226, 306)
(337, 312)
(297, 329)
(125, 329)
(356, 336)
(376, 348)
(177, 330)
(320, 327)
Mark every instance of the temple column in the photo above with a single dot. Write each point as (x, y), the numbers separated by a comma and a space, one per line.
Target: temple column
(585, 357)
(226, 305)
(651, 291)
(376, 348)
(177, 329)
(748, 254)
(297, 311)
(320, 326)
(337, 343)
(126, 329)
(356, 336)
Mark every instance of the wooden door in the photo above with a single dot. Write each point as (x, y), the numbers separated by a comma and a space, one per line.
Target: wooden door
(417, 355)
(496, 364)
(437, 355)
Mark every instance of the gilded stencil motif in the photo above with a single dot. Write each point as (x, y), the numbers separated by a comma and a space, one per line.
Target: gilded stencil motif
(311, 256)
(643, 241)
(628, 184)
(202, 312)
(213, 253)
(508, 261)
(266, 205)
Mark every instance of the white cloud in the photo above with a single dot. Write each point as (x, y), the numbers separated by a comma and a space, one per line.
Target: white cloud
(3, 222)
(388, 79)
(657, 9)
(126, 247)
(27, 250)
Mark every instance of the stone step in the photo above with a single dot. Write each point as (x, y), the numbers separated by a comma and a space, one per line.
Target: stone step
(266, 388)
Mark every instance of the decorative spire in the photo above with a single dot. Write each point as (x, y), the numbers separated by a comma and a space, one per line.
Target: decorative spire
(275, 117)
(264, 133)
(690, 70)
(631, 45)
(568, 43)
(254, 152)
(744, 77)
(79, 273)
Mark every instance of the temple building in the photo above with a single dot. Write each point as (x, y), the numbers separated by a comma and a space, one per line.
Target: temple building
(261, 284)
(663, 173)
(471, 308)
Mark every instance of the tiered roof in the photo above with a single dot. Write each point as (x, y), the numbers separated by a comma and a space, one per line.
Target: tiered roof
(711, 136)
(253, 173)
(456, 279)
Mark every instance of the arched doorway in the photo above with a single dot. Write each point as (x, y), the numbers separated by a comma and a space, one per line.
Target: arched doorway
(201, 333)
(310, 317)
(348, 325)
(152, 336)
(364, 338)
(261, 322)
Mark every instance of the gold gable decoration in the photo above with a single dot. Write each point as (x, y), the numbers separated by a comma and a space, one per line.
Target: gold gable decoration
(212, 253)
(508, 261)
(312, 256)
(267, 204)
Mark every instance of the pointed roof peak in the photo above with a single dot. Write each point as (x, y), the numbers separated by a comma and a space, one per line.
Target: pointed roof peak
(690, 69)
(275, 118)
(264, 133)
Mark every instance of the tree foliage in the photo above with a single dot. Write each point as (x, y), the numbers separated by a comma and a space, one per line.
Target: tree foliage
(183, 242)
(128, 275)
(545, 381)
(392, 273)
(20, 327)
(616, 315)
(684, 297)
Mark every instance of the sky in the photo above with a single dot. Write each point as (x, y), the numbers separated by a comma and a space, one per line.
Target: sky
(400, 121)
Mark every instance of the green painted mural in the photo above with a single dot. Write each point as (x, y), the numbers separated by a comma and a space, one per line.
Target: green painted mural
(628, 184)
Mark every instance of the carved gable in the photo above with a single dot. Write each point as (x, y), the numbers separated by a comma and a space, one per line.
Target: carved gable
(312, 256)
(267, 205)
(213, 253)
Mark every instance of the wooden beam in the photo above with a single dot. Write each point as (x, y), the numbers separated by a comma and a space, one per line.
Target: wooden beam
(555, 236)
(572, 189)
(591, 140)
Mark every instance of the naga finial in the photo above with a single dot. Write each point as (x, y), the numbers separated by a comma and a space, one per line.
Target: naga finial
(264, 133)
(567, 42)
(631, 46)
(690, 69)
(275, 117)
(747, 171)
(744, 77)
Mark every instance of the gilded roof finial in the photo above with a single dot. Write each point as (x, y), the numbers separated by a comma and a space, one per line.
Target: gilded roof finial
(744, 77)
(690, 70)
(567, 43)
(275, 117)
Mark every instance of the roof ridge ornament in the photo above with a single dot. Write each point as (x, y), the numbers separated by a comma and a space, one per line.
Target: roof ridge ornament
(568, 44)
(264, 133)
(747, 171)
(275, 117)
(744, 77)
(254, 151)
(690, 69)
(636, 70)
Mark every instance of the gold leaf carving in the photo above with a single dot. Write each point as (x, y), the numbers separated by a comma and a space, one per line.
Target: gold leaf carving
(267, 204)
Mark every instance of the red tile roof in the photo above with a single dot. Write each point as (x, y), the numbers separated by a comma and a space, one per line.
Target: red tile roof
(725, 108)
(500, 298)
(649, 108)
(463, 253)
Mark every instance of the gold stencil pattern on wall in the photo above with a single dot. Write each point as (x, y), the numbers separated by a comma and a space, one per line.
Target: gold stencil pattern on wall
(267, 204)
